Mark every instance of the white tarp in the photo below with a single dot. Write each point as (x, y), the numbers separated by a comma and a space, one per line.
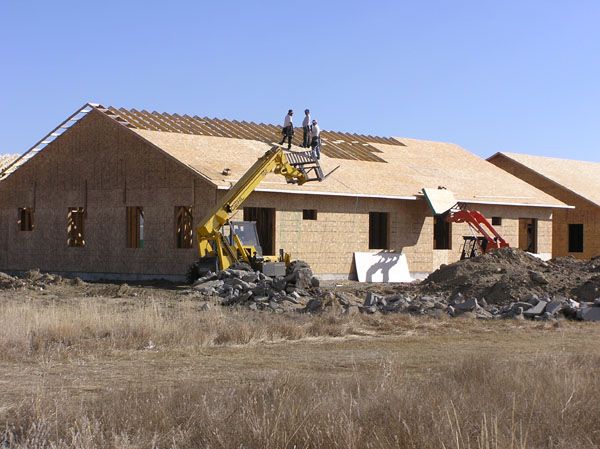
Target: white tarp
(440, 200)
(384, 266)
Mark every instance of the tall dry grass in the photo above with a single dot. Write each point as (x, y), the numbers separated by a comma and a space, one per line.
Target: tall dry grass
(479, 403)
(63, 329)
(476, 402)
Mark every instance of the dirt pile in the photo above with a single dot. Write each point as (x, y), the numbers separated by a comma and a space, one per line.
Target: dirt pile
(34, 279)
(508, 275)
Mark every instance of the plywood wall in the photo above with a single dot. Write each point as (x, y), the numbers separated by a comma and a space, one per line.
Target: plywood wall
(100, 166)
(585, 212)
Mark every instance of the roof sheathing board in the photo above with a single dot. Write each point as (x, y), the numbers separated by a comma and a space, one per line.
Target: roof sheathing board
(579, 177)
(409, 169)
(334, 144)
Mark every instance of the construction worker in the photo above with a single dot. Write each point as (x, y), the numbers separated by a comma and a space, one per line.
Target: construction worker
(306, 129)
(288, 129)
(315, 141)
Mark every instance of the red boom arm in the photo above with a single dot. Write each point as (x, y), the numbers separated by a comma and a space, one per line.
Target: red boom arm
(479, 223)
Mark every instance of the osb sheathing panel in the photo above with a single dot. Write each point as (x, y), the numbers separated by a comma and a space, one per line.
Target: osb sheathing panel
(579, 177)
(99, 165)
(586, 212)
(342, 228)
(410, 168)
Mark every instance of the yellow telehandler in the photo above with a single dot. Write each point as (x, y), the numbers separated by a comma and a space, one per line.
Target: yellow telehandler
(218, 250)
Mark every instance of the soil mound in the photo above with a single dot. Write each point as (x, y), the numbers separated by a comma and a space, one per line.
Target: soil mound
(510, 274)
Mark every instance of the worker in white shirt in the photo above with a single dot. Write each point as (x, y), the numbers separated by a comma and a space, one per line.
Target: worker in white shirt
(288, 129)
(306, 129)
(315, 139)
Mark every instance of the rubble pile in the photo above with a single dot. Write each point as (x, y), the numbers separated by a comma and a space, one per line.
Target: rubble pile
(507, 283)
(508, 275)
(240, 285)
(534, 307)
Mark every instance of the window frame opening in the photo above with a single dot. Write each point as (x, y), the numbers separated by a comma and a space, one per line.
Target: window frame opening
(442, 233)
(309, 214)
(76, 227)
(576, 238)
(135, 226)
(25, 219)
(379, 230)
(184, 227)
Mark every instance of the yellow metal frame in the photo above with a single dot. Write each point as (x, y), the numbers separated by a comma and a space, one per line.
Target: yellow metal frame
(211, 241)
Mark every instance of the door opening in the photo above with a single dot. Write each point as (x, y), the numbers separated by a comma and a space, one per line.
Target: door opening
(265, 226)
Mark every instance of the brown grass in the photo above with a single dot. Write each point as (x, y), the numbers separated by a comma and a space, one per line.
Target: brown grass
(63, 329)
(390, 385)
(478, 403)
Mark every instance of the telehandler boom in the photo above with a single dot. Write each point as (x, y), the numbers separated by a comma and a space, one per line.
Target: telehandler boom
(216, 251)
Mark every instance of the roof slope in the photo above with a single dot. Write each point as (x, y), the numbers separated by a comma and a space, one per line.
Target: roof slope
(369, 166)
(579, 177)
(388, 167)
(409, 168)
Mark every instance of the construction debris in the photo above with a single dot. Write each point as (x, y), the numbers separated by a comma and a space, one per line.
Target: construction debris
(240, 285)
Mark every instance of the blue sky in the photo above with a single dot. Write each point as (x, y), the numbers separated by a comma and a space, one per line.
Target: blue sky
(491, 76)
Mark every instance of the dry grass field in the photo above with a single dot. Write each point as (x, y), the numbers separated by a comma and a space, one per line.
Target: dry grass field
(154, 369)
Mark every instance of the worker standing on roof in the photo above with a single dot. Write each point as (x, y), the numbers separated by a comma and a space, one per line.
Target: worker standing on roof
(306, 129)
(315, 141)
(288, 129)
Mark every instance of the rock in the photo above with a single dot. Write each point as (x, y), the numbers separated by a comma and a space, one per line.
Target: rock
(208, 288)
(554, 307)
(371, 299)
(210, 276)
(279, 284)
(292, 299)
(205, 307)
(251, 277)
(351, 310)
(467, 305)
(538, 309)
(590, 314)
(314, 282)
(483, 314)
(261, 290)
(343, 300)
(522, 305)
(370, 309)
(538, 278)
(314, 305)
(303, 278)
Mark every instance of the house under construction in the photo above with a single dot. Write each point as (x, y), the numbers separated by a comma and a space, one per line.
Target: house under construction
(116, 193)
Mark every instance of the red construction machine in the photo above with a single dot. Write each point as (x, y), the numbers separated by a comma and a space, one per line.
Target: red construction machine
(484, 237)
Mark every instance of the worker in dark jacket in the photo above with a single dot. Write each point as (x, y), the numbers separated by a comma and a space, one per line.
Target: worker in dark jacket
(306, 129)
(288, 129)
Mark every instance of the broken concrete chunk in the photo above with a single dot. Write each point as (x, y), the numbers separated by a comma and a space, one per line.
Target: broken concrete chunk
(467, 305)
(538, 309)
(314, 305)
(208, 288)
(554, 307)
(371, 300)
(590, 314)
